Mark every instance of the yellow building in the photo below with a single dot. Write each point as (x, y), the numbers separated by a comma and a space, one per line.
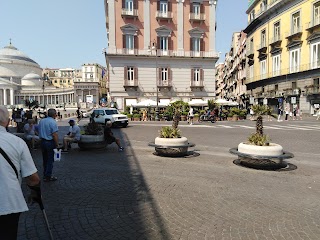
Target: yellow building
(283, 53)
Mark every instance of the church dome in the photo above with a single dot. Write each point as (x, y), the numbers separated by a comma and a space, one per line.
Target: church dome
(31, 79)
(12, 53)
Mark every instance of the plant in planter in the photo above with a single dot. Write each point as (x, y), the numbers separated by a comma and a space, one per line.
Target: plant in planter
(258, 150)
(136, 117)
(93, 137)
(170, 142)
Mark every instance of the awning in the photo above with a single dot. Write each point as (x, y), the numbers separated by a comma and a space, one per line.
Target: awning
(164, 102)
(150, 103)
(225, 102)
(131, 102)
(198, 102)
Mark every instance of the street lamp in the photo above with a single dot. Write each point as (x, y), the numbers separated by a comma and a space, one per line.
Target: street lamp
(154, 47)
(44, 79)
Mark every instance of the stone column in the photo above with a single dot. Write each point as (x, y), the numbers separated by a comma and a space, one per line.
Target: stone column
(5, 96)
(11, 97)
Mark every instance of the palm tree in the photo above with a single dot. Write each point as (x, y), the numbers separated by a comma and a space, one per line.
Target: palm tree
(178, 107)
(258, 138)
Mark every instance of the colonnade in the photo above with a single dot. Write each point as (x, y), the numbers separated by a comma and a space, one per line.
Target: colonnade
(6, 96)
(60, 98)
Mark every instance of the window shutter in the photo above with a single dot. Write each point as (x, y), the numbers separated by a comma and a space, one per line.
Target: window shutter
(124, 40)
(123, 3)
(136, 43)
(125, 73)
(158, 43)
(192, 74)
(202, 7)
(135, 4)
(191, 7)
(169, 74)
(201, 74)
(135, 73)
(159, 74)
(191, 46)
(158, 5)
(170, 43)
(202, 46)
(169, 6)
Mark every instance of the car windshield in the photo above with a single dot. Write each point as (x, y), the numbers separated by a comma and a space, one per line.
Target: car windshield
(113, 111)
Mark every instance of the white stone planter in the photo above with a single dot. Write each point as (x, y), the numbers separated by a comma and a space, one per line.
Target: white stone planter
(171, 147)
(92, 142)
(272, 150)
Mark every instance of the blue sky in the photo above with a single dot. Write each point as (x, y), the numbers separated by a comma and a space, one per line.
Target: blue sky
(68, 33)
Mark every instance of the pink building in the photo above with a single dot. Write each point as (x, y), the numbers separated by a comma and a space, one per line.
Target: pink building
(161, 50)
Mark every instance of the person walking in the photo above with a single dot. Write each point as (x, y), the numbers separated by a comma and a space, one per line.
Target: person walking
(286, 110)
(79, 114)
(15, 163)
(279, 114)
(190, 115)
(300, 113)
(48, 133)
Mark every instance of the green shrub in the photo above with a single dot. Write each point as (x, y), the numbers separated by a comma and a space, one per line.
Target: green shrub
(93, 128)
(196, 115)
(137, 115)
(202, 112)
(169, 132)
(230, 114)
(259, 140)
(129, 115)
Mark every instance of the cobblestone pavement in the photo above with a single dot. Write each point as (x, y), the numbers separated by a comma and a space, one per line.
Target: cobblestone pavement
(136, 195)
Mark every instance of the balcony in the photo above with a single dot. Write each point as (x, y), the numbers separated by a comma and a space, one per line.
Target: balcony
(312, 89)
(313, 24)
(196, 84)
(130, 84)
(129, 13)
(163, 15)
(197, 17)
(162, 84)
(276, 39)
(262, 47)
(295, 32)
(250, 52)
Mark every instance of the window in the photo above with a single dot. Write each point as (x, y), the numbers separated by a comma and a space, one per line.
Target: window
(251, 45)
(196, 75)
(295, 23)
(276, 65)
(196, 9)
(276, 87)
(293, 85)
(129, 5)
(263, 38)
(276, 31)
(316, 14)
(294, 60)
(252, 16)
(129, 42)
(315, 55)
(130, 73)
(251, 71)
(196, 44)
(164, 74)
(263, 68)
(316, 83)
(164, 7)
(263, 5)
(163, 43)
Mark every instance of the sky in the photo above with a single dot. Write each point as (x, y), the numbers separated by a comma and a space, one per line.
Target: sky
(69, 33)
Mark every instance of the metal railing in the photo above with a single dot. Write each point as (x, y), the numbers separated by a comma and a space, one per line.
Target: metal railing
(161, 14)
(196, 83)
(129, 12)
(276, 38)
(130, 83)
(262, 45)
(313, 23)
(164, 83)
(197, 16)
(293, 31)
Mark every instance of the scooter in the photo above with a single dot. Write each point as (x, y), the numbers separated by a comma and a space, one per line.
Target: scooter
(206, 118)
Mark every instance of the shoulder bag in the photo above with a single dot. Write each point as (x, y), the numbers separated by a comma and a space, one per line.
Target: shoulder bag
(9, 161)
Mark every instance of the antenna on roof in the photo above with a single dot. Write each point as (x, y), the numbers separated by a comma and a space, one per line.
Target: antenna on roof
(10, 41)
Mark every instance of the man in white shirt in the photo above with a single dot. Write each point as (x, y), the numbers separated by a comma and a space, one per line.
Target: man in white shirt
(12, 201)
(73, 135)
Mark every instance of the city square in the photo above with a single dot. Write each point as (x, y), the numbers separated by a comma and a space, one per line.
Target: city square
(134, 194)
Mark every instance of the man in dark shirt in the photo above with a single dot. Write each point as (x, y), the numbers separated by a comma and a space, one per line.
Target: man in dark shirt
(109, 138)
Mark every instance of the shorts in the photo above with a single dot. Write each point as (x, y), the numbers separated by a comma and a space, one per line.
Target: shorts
(70, 139)
(29, 137)
(110, 140)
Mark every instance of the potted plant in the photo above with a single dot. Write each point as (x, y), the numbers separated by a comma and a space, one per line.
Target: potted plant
(258, 143)
(130, 116)
(136, 117)
(230, 115)
(196, 117)
(93, 137)
(183, 116)
(170, 139)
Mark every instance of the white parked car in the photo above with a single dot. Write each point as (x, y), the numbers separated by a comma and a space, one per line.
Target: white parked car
(102, 115)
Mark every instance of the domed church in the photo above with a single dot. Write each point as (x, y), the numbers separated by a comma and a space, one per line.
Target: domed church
(21, 78)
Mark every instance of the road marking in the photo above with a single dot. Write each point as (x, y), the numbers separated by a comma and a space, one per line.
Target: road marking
(242, 126)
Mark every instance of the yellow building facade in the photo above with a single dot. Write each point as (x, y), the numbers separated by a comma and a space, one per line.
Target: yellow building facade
(283, 53)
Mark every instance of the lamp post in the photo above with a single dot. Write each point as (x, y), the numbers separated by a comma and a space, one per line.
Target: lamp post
(154, 47)
(44, 78)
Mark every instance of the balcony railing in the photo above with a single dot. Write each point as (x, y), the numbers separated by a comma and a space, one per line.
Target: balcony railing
(142, 52)
(164, 83)
(262, 45)
(130, 83)
(294, 31)
(163, 15)
(196, 84)
(276, 38)
(129, 12)
(313, 90)
(197, 16)
(314, 23)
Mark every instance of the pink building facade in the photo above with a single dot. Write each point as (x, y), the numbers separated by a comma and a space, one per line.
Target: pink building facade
(160, 50)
